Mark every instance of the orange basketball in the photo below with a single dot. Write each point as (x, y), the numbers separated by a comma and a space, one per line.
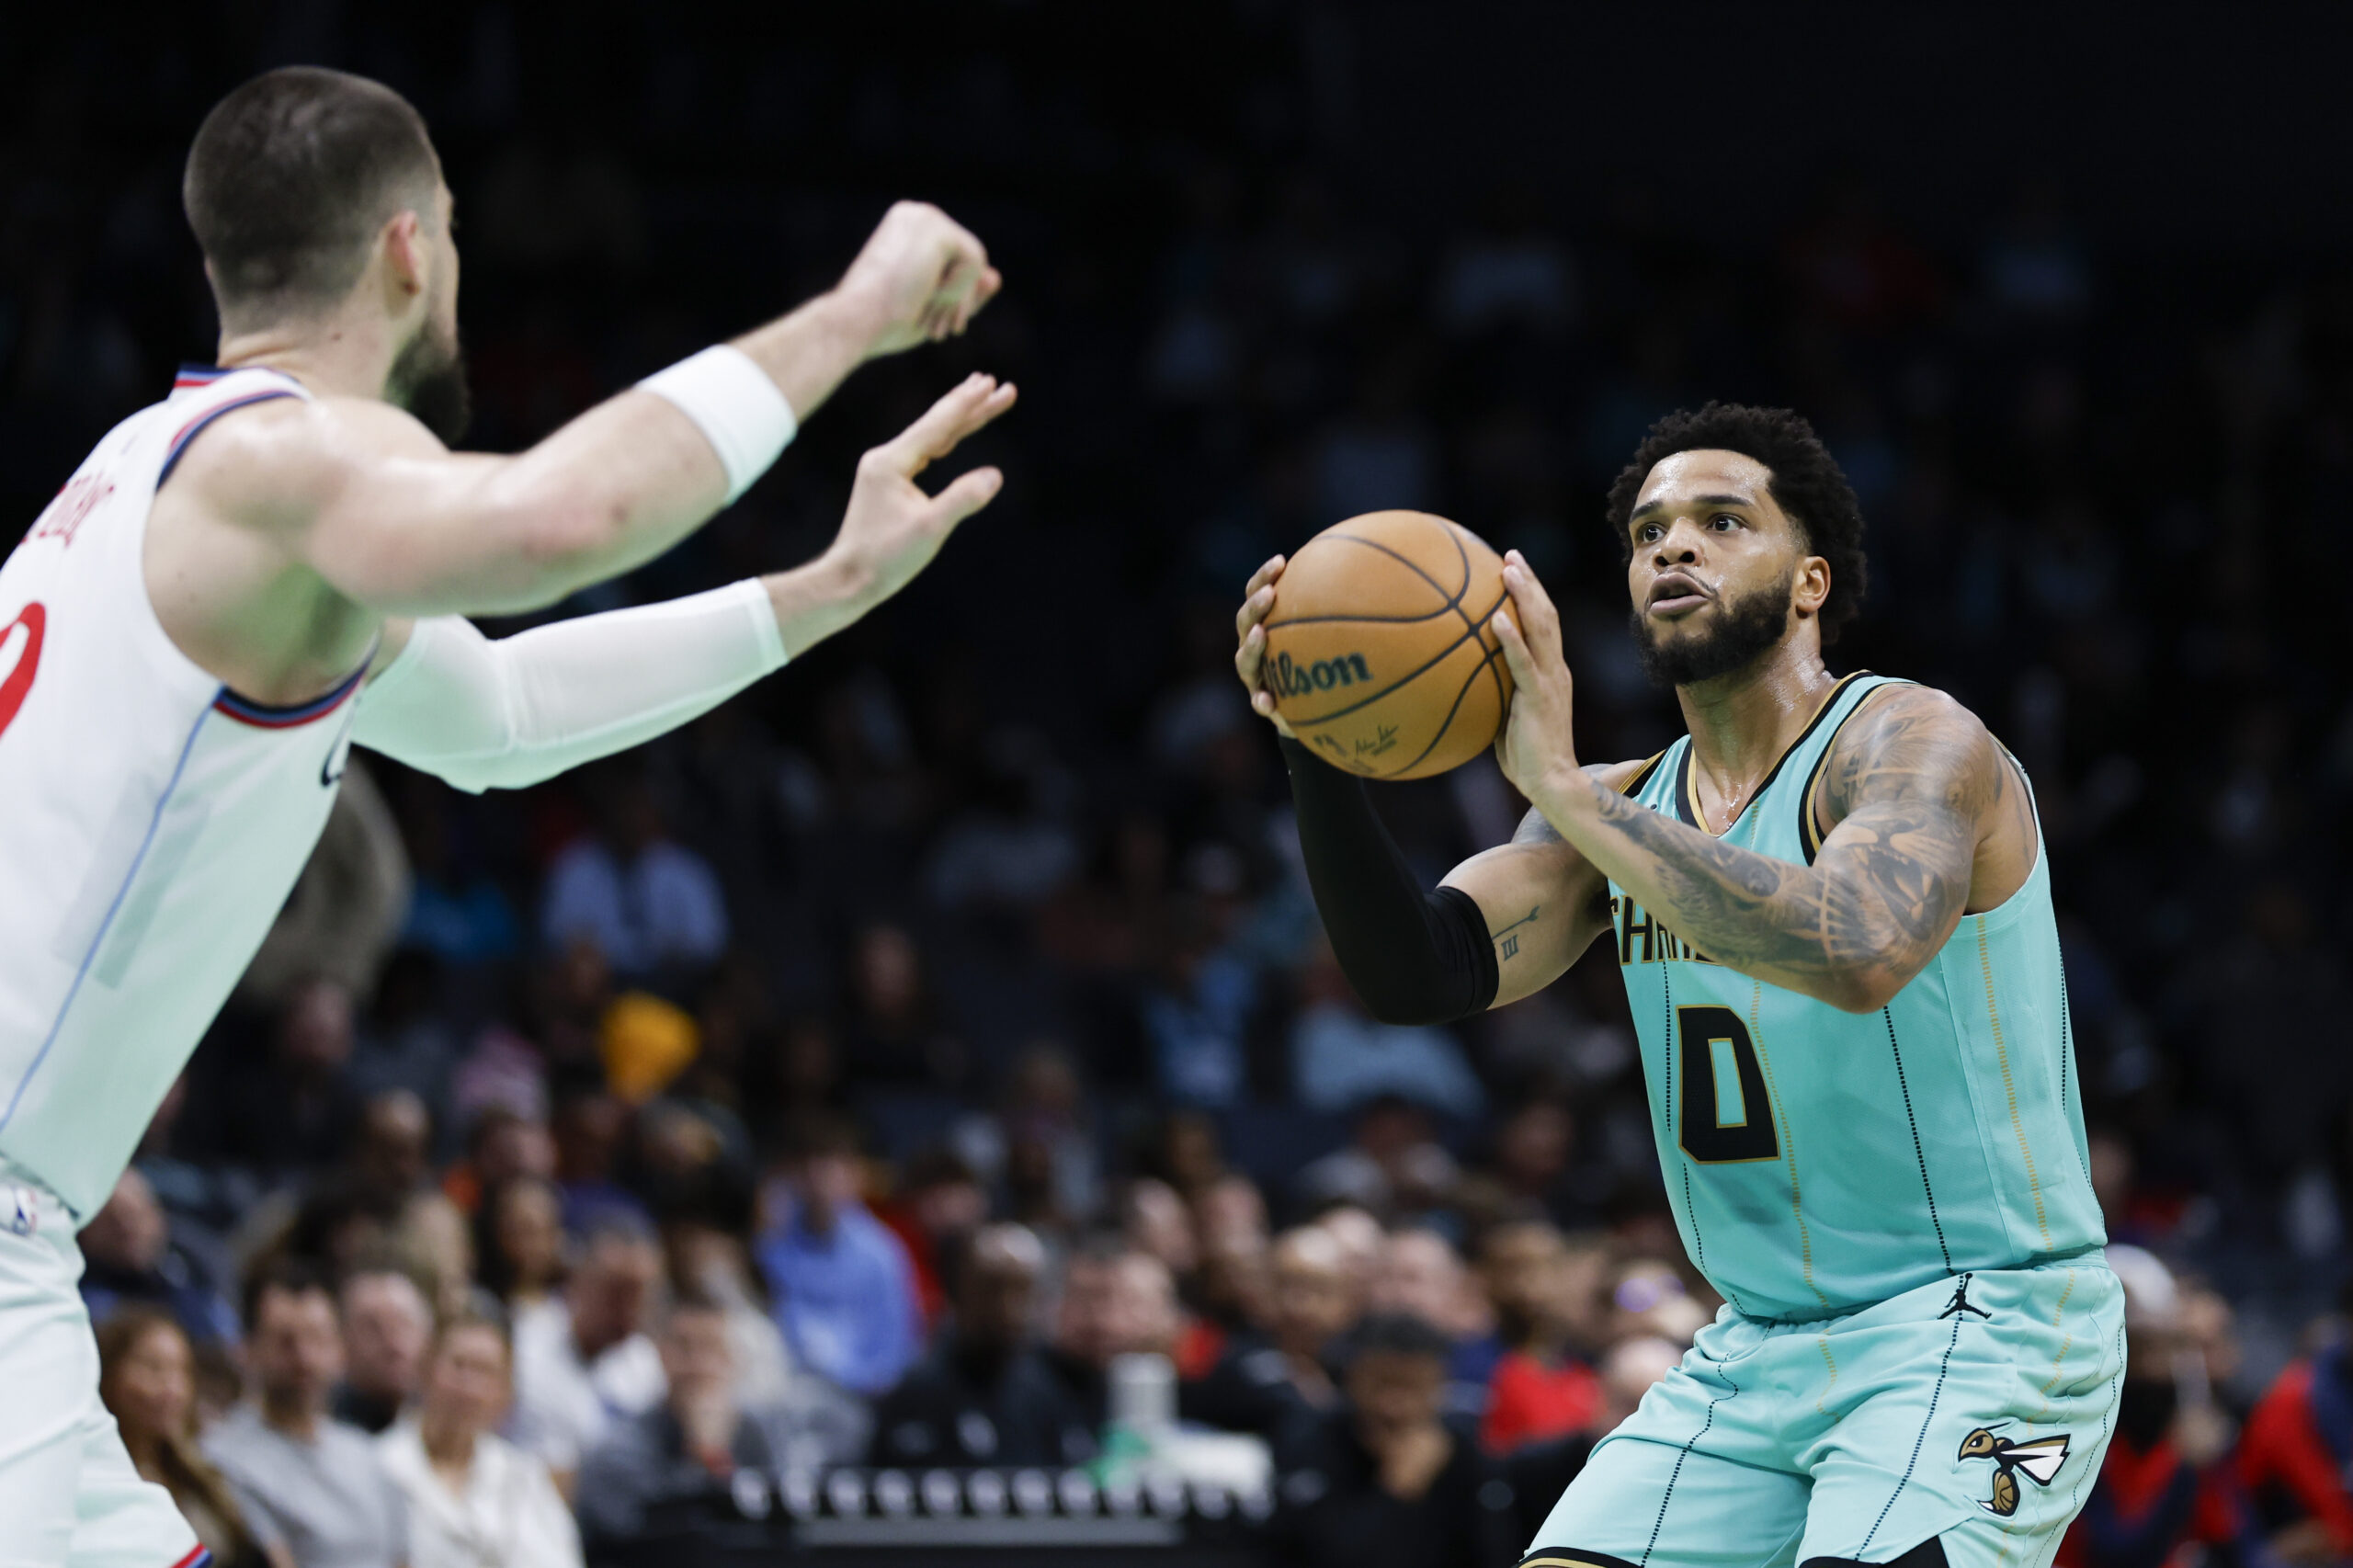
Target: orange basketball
(1379, 653)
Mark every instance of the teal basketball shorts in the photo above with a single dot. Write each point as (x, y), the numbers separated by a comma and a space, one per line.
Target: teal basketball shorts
(1972, 1412)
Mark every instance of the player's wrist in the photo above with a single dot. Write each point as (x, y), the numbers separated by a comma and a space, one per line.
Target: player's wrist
(859, 319)
(814, 600)
(1564, 788)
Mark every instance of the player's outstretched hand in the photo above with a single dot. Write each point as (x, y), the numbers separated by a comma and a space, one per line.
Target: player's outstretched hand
(892, 528)
(1536, 742)
(1251, 635)
(921, 277)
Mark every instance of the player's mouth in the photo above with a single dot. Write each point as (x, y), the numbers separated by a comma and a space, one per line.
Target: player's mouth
(1677, 592)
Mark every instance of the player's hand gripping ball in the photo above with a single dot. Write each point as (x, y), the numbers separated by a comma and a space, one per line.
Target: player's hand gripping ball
(1372, 644)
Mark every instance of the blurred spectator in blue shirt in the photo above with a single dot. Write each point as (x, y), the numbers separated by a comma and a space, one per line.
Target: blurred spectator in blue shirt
(129, 1255)
(648, 903)
(844, 1289)
(1343, 1058)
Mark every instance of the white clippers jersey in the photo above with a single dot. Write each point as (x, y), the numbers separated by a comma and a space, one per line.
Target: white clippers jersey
(152, 820)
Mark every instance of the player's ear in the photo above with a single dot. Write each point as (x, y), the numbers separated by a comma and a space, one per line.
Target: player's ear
(408, 260)
(1810, 590)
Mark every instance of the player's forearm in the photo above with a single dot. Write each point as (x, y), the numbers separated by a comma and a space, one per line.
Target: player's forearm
(1829, 931)
(630, 478)
(812, 351)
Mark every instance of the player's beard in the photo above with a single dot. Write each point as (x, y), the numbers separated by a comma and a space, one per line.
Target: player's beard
(1745, 628)
(429, 379)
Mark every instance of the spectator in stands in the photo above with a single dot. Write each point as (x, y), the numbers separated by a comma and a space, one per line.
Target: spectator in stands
(584, 1360)
(938, 1204)
(1156, 1221)
(2166, 1491)
(299, 1474)
(844, 1292)
(1390, 1162)
(1420, 1274)
(673, 1463)
(649, 904)
(518, 1241)
(1116, 1300)
(503, 1142)
(1538, 1472)
(2292, 1456)
(986, 1394)
(147, 1377)
(1381, 1480)
(808, 1419)
(474, 1499)
(129, 1255)
(1276, 1383)
(1541, 1386)
(296, 1115)
(388, 1177)
(1341, 1057)
(386, 1326)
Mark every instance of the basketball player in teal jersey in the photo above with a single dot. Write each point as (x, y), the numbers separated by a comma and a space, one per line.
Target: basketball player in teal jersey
(1831, 907)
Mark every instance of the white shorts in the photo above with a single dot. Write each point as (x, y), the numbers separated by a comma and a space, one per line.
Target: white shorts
(68, 1492)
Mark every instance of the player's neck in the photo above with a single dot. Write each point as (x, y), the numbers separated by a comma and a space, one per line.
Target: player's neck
(1742, 723)
(344, 353)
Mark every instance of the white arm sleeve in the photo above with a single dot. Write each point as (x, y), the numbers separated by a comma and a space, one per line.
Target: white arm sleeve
(483, 714)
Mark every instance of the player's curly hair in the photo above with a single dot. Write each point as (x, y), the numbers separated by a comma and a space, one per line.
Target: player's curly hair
(1806, 482)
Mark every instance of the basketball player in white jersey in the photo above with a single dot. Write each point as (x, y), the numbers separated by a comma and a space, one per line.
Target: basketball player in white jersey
(244, 580)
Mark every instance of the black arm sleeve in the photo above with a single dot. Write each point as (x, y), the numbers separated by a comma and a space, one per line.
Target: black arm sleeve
(1416, 956)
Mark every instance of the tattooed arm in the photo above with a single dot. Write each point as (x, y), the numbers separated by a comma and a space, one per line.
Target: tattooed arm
(1916, 786)
(1544, 903)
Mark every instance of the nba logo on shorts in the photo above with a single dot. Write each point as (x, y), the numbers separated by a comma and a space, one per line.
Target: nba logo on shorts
(24, 1218)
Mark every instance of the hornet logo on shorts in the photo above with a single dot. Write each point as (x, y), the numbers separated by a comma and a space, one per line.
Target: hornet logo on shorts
(2038, 1461)
(24, 1212)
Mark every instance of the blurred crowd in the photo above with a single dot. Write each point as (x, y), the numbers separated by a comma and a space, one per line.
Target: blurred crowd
(853, 1077)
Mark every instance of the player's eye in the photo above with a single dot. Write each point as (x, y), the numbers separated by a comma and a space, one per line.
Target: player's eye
(1724, 520)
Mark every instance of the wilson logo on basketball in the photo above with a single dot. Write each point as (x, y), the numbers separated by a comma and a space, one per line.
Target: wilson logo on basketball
(1286, 678)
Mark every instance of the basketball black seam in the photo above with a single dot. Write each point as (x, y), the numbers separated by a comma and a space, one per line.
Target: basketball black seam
(1447, 724)
(1453, 601)
(1369, 620)
(1406, 679)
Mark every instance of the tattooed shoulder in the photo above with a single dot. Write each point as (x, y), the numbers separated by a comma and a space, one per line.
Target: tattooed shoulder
(1916, 745)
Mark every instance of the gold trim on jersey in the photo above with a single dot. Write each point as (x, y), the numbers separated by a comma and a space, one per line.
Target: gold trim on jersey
(1642, 775)
(1690, 779)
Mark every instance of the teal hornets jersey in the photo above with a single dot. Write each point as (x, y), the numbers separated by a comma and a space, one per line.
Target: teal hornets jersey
(1818, 1161)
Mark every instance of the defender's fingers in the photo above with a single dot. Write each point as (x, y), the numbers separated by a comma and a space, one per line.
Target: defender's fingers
(964, 408)
(967, 495)
(983, 289)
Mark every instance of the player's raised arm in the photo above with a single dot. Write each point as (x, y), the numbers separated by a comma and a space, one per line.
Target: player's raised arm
(365, 495)
(480, 714)
(1915, 779)
(1503, 925)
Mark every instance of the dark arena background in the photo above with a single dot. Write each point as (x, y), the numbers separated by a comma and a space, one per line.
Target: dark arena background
(992, 910)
